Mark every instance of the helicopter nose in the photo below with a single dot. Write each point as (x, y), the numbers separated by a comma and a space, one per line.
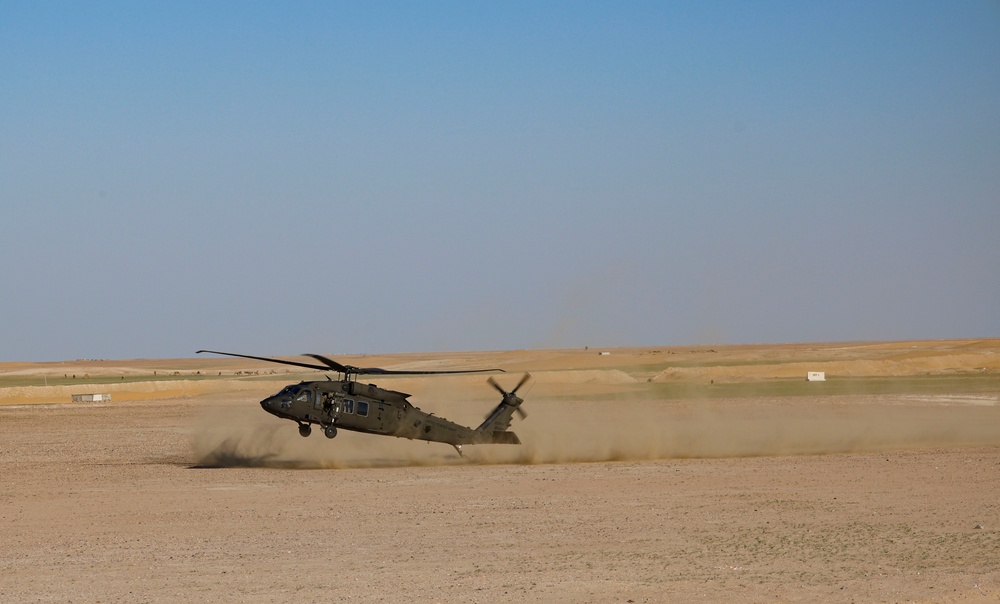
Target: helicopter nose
(277, 404)
(268, 404)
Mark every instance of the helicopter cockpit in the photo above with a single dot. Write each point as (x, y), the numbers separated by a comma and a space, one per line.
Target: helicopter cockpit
(279, 404)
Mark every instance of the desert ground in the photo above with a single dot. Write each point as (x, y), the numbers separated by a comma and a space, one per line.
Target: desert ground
(669, 474)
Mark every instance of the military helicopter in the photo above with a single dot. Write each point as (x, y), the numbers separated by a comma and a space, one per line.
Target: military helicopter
(349, 405)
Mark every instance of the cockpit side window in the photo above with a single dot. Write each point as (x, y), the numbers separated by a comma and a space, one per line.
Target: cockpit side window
(304, 397)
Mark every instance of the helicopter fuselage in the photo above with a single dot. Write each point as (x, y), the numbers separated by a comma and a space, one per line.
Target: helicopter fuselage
(351, 405)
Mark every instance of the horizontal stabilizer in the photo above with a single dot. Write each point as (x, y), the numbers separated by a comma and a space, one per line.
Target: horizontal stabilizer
(505, 438)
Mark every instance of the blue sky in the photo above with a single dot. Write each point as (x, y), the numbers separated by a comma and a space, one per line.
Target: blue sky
(279, 178)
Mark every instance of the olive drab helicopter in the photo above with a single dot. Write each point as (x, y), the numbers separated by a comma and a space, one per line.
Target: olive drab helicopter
(350, 405)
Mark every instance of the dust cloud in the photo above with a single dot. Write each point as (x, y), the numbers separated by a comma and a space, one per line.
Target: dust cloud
(558, 432)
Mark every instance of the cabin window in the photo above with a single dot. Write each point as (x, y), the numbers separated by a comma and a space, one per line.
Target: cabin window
(363, 408)
(348, 406)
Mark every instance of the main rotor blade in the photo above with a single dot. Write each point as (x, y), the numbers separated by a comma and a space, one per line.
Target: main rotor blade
(403, 372)
(281, 361)
(379, 371)
(329, 364)
(333, 364)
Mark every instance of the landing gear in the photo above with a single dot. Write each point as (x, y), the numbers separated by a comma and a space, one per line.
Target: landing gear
(330, 431)
(459, 449)
(305, 430)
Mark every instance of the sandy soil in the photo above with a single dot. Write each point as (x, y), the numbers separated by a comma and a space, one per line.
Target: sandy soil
(184, 490)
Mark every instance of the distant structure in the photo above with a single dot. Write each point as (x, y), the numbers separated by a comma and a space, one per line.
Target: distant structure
(816, 376)
(92, 398)
(604, 353)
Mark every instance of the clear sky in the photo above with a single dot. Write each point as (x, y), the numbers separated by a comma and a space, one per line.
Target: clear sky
(360, 177)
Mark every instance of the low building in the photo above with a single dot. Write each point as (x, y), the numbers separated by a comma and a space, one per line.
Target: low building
(92, 398)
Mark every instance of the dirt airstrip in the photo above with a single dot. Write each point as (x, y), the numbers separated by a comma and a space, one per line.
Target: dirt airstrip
(673, 474)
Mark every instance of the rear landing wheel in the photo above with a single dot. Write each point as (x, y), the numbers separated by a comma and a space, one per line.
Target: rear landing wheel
(305, 430)
(330, 432)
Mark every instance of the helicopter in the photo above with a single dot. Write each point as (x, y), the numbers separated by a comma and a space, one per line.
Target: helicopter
(346, 404)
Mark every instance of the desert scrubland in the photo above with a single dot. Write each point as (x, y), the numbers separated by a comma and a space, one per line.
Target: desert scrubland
(670, 474)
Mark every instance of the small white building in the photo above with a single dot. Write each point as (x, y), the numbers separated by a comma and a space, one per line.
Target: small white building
(816, 376)
(92, 398)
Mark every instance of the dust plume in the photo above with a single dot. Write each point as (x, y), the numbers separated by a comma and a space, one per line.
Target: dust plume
(617, 430)
(647, 430)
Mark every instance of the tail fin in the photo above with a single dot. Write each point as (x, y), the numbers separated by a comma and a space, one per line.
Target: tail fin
(494, 429)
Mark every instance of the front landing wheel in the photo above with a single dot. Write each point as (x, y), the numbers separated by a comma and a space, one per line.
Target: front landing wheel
(330, 432)
(305, 430)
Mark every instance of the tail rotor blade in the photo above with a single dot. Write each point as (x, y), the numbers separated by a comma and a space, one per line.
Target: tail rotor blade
(527, 376)
(494, 383)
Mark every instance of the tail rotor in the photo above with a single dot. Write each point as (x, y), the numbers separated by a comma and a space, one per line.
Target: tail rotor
(511, 398)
